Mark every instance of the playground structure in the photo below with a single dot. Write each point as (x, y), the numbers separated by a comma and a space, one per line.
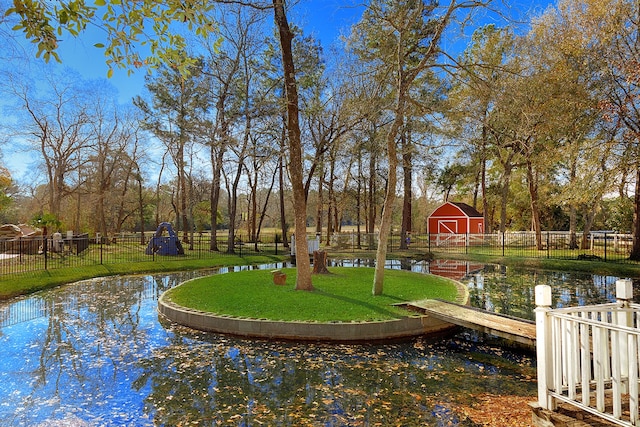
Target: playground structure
(164, 245)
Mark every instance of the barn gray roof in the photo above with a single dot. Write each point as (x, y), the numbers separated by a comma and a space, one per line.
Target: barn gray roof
(468, 210)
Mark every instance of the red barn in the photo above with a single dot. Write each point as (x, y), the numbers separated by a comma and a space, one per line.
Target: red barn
(455, 218)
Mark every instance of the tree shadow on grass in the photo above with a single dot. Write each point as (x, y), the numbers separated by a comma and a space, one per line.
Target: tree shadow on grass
(374, 308)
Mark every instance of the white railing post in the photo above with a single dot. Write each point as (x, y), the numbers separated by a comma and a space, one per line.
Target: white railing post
(624, 295)
(544, 346)
(590, 350)
(624, 292)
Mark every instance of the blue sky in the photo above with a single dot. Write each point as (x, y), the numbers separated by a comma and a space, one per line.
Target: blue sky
(324, 19)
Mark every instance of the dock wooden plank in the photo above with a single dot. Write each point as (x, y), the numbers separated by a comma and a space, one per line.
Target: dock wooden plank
(518, 330)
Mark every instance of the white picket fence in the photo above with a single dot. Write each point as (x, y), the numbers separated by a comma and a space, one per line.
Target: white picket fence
(588, 356)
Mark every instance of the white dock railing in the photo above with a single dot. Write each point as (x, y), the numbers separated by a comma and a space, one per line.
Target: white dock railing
(588, 356)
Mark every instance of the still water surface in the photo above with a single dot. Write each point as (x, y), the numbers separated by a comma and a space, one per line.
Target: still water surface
(95, 354)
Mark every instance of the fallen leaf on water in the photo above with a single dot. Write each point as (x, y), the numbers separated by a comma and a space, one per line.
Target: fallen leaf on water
(500, 411)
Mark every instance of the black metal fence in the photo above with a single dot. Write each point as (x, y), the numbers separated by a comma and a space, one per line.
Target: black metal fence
(35, 253)
(26, 254)
(604, 246)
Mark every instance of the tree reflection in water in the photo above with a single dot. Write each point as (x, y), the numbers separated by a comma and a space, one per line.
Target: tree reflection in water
(95, 354)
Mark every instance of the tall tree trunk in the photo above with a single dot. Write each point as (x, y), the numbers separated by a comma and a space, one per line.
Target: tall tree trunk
(320, 202)
(182, 192)
(76, 222)
(233, 200)
(483, 179)
(102, 222)
(392, 179)
(263, 212)
(476, 188)
(573, 226)
(332, 223)
(231, 233)
(216, 164)
(535, 209)
(157, 195)
(339, 209)
(589, 218)
(504, 198)
(371, 217)
(122, 214)
(216, 155)
(283, 216)
(407, 170)
(184, 210)
(56, 206)
(573, 210)
(190, 213)
(359, 200)
(303, 277)
(253, 210)
(635, 248)
(140, 205)
(390, 197)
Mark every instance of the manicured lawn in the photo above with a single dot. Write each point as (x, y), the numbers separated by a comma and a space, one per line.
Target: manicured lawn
(343, 296)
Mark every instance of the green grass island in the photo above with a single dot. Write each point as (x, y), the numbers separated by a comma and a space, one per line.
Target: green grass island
(341, 308)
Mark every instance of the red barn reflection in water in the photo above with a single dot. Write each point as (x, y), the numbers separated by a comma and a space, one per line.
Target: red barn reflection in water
(454, 269)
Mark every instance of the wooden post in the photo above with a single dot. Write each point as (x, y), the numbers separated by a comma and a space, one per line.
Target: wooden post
(544, 346)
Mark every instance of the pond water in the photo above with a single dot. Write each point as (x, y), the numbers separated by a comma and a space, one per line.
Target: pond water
(511, 290)
(95, 354)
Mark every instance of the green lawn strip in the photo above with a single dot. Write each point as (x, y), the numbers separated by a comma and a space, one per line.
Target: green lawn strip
(343, 296)
(12, 285)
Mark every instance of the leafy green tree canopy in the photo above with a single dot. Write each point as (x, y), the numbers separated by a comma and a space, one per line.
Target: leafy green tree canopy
(130, 26)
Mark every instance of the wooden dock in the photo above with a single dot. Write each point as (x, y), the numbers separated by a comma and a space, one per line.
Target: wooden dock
(509, 328)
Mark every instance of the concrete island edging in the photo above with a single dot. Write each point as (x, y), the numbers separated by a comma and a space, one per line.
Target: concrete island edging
(409, 326)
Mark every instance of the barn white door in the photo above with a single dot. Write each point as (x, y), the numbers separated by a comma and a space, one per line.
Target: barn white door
(447, 226)
(447, 230)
